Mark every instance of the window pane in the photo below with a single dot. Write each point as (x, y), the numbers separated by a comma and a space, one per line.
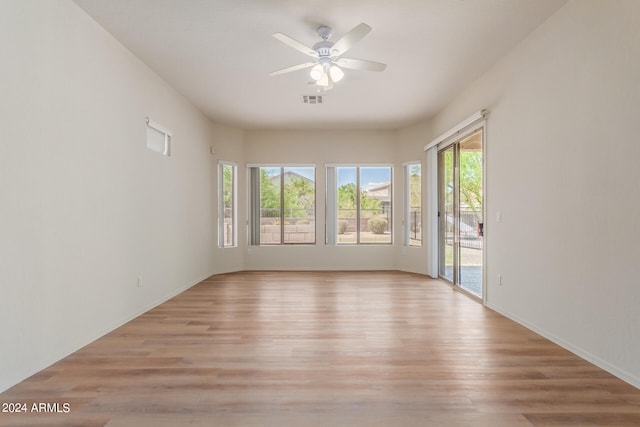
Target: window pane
(347, 214)
(375, 205)
(299, 205)
(228, 177)
(415, 204)
(270, 206)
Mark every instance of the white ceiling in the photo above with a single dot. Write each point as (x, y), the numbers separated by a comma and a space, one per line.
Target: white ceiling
(218, 54)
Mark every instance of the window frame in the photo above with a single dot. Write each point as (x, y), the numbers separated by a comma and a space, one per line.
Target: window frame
(407, 204)
(333, 208)
(221, 205)
(255, 204)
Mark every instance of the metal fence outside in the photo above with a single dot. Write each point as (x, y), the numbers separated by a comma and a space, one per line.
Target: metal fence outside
(471, 234)
(415, 223)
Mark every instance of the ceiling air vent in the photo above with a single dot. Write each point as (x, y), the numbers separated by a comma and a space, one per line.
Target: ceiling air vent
(312, 99)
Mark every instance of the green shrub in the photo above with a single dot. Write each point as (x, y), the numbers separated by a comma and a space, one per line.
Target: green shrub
(377, 225)
(302, 222)
(342, 226)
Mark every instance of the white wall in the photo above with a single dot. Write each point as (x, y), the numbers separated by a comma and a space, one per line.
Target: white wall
(562, 168)
(319, 148)
(85, 208)
(410, 143)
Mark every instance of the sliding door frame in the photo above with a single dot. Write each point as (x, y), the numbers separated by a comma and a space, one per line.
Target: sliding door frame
(455, 138)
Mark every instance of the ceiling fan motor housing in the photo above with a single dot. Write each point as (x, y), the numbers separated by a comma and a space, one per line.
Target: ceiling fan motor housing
(323, 49)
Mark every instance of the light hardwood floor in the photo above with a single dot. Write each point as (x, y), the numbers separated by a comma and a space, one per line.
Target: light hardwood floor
(324, 349)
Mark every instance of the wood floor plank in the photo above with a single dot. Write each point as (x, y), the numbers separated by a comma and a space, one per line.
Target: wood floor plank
(324, 348)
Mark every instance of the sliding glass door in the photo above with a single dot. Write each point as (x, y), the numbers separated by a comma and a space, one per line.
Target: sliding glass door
(446, 213)
(460, 213)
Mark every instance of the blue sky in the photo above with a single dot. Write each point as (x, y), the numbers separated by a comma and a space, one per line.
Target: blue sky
(369, 176)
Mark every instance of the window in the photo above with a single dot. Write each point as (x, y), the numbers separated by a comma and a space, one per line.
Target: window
(362, 198)
(413, 204)
(227, 233)
(282, 205)
(158, 138)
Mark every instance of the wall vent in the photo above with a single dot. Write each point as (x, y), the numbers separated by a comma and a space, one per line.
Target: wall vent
(312, 99)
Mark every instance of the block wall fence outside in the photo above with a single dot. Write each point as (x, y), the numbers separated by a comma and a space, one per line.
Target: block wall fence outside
(271, 234)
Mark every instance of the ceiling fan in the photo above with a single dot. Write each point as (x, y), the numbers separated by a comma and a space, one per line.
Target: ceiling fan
(327, 56)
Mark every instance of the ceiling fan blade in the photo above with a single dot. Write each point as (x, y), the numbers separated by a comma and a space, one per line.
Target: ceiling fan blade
(352, 37)
(292, 68)
(296, 44)
(360, 64)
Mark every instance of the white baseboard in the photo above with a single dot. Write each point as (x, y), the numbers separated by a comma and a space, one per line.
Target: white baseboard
(78, 343)
(577, 350)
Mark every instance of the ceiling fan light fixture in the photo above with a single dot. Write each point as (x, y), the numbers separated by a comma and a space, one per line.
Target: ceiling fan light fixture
(317, 72)
(336, 73)
(323, 81)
